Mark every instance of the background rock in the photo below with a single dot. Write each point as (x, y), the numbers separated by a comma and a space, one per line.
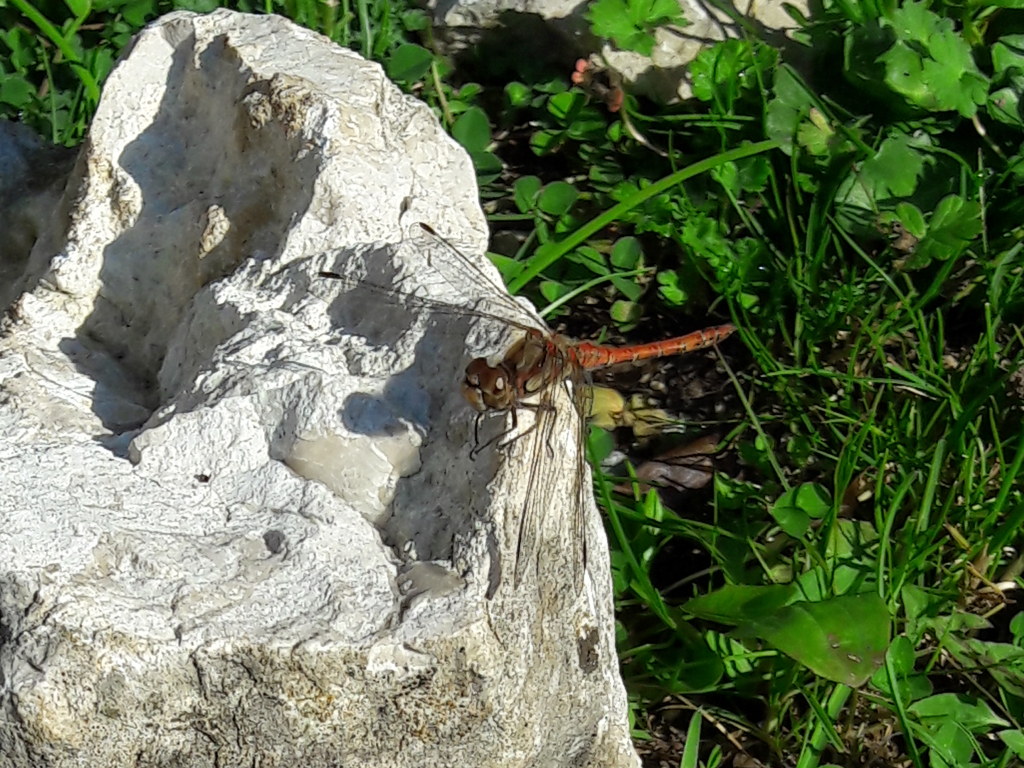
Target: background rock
(558, 30)
(241, 526)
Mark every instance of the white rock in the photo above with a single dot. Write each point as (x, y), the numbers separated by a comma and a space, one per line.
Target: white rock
(240, 522)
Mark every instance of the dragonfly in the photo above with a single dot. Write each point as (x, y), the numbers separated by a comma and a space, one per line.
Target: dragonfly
(527, 376)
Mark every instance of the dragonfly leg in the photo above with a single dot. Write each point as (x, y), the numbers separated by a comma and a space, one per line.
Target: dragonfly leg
(538, 408)
(479, 447)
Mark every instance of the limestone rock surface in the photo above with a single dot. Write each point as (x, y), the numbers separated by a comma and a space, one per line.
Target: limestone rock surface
(240, 522)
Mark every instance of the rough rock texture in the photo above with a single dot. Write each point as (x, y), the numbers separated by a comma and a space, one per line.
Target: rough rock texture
(240, 524)
(558, 29)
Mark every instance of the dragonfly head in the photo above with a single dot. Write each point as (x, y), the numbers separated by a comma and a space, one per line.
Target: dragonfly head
(488, 387)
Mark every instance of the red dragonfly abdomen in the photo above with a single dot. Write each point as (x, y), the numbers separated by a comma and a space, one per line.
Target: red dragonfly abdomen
(590, 356)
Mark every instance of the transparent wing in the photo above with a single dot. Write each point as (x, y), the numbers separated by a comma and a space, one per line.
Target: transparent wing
(537, 495)
(582, 393)
(468, 277)
(474, 292)
(537, 500)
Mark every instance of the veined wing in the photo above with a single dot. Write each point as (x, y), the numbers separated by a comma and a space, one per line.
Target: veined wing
(479, 294)
(537, 500)
(465, 275)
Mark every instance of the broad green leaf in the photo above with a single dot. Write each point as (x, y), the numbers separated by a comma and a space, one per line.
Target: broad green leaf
(79, 8)
(544, 141)
(552, 291)
(137, 12)
(623, 312)
(557, 198)
(913, 21)
(950, 230)
(591, 258)
(1014, 739)
(721, 71)
(1005, 104)
(16, 91)
(970, 713)
(930, 64)
(473, 130)
(488, 166)
(794, 509)
(509, 268)
(670, 288)
(842, 639)
(628, 288)
(912, 219)
(409, 63)
(791, 102)
(518, 94)
(1016, 627)
(626, 253)
(1008, 53)
(736, 603)
(196, 6)
(894, 170)
(790, 517)
(910, 684)
(414, 20)
(565, 106)
(813, 499)
(525, 190)
(630, 23)
(589, 125)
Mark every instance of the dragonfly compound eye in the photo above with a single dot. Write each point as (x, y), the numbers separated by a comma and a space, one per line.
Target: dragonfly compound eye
(487, 386)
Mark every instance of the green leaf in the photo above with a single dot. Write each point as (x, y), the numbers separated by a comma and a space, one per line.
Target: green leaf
(524, 191)
(626, 253)
(518, 94)
(557, 198)
(722, 71)
(196, 6)
(1014, 739)
(565, 106)
(552, 291)
(791, 103)
(931, 65)
(22, 46)
(473, 130)
(670, 287)
(794, 509)
(894, 170)
(951, 228)
(545, 141)
(912, 219)
(630, 23)
(488, 166)
(624, 312)
(589, 257)
(16, 91)
(137, 12)
(627, 288)
(1005, 106)
(80, 8)
(409, 63)
(911, 686)
(737, 603)
(842, 639)
(972, 714)
(1008, 54)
